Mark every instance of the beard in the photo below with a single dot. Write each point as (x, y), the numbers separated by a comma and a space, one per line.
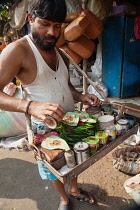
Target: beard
(40, 41)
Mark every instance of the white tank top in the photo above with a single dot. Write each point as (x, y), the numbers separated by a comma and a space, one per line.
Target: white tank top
(49, 86)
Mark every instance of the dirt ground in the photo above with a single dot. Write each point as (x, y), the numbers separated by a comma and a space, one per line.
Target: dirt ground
(21, 187)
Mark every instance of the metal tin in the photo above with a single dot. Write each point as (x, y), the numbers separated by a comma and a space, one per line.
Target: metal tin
(131, 120)
(111, 131)
(70, 159)
(118, 130)
(107, 109)
(93, 143)
(103, 137)
(81, 150)
(94, 111)
(123, 124)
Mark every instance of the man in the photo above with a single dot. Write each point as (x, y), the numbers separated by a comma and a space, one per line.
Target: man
(36, 62)
(7, 40)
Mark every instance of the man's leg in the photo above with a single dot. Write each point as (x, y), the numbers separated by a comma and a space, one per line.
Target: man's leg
(73, 190)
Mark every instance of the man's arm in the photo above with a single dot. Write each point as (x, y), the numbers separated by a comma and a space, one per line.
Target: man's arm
(10, 65)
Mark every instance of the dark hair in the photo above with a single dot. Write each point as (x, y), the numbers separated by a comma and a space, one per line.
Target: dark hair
(52, 10)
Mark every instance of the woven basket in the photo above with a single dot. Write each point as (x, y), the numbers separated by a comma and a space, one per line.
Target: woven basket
(127, 159)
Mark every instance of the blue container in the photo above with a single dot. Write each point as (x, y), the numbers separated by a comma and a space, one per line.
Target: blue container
(131, 120)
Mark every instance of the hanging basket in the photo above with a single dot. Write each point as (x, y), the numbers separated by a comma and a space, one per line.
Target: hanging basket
(127, 159)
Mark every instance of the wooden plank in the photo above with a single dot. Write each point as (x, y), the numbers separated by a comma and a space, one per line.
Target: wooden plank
(112, 54)
(129, 108)
(131, 63)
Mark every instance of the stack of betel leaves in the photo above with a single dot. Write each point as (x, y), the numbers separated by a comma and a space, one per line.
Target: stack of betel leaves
(76, 126)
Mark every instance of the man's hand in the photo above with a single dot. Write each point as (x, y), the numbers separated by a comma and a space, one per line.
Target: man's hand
(90, 99)
(41, 110)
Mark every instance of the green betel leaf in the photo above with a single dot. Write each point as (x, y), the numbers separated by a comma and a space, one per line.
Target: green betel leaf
(85, 117)
(55, 142)
(71, 119)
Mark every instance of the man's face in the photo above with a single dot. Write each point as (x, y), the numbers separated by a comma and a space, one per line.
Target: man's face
(45, 33)
(7, 40)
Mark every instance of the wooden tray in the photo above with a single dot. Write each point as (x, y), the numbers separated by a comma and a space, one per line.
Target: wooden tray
(67, 177)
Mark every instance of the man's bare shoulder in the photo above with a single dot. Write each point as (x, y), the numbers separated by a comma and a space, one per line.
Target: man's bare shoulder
(18, 47)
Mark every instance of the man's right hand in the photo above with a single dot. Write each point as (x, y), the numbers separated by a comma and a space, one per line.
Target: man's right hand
(42, 109)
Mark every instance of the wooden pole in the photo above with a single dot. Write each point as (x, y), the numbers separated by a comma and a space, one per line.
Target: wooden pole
(84, 4)
(84, 78)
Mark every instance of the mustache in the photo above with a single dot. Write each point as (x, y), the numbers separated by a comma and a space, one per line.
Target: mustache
(49, 37)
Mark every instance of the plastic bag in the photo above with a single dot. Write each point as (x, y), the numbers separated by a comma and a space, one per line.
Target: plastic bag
(10, 89)
(132, 187)
(97, 67)
(91, 90)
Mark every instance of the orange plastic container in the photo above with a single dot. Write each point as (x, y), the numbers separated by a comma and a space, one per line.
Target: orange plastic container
(2, 46)
(83, 46)
(95, 27)
(76, 28)
(70, 17)
(72, 54)
(62, 40)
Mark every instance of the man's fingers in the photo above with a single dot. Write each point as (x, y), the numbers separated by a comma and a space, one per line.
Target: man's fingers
(56, 112)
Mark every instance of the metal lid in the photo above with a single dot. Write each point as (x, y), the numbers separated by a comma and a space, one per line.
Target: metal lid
(80, 146)
(122, 122)
(110, 128)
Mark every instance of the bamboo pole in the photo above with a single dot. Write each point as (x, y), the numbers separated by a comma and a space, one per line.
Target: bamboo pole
(84, 78)
(84, 4)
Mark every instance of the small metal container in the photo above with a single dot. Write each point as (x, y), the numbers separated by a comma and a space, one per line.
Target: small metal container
(107, 109)
(70, 159)
(93, 145)
(118, 130)
(111, 131)
(82, 152)
(131, 120)
(95, 111)
(103, 137)
(123, 124)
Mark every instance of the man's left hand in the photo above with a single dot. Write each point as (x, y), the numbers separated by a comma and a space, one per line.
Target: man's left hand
(90, 99)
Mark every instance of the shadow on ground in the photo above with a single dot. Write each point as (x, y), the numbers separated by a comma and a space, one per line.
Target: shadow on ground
(19, 179)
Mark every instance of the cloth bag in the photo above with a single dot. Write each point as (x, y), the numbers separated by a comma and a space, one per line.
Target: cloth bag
(12, 123)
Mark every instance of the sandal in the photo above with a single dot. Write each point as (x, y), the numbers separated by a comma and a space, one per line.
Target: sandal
(83, 197)
(63, 206)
